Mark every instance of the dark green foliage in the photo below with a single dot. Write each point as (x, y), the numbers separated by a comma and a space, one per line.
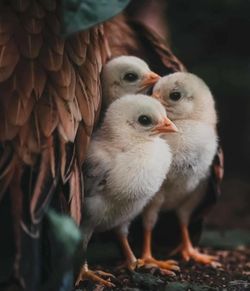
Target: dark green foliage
(65, 231)
(61, 247)
(82, 14)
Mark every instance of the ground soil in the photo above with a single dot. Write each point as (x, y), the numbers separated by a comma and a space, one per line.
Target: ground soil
(234, 275)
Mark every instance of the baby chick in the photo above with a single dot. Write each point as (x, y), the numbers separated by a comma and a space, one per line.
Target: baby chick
(125, 166)
(126, 75)
(190, 105)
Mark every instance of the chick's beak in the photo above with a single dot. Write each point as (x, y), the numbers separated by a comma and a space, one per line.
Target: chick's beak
(165, 126)
(148, 80)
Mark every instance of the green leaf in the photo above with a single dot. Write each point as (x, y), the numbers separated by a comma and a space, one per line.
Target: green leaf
(64, 231)
(60, 251)
(82, 14)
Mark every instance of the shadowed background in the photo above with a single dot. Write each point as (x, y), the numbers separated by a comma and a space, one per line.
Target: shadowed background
(210, 38)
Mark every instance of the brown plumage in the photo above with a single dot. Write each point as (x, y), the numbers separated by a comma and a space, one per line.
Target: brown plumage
(50, 99)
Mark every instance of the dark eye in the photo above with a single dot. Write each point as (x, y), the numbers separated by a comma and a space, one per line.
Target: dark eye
(130, 77)
(175, 96)
(145, 120)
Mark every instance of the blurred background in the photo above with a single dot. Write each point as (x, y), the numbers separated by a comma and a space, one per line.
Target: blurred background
(212, 39)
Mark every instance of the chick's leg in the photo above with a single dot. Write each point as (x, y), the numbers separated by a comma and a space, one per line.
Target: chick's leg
(166, 267)
(85, 273)
(131, 261)
(189, 252)
(150, 216)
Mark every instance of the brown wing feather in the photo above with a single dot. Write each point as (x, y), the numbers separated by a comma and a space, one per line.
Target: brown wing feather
(48, 86)
(132, 37)
(76, 193)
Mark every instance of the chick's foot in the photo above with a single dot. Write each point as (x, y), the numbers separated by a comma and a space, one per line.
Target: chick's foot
(168, 267)
(194, 254)
(95, 276)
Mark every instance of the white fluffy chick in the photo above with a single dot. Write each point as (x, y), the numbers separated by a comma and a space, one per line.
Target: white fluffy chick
(190, 105)
(126, 75)
(125, 166)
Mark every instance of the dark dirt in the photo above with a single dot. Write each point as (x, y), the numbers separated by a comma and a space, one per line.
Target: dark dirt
(234, 275)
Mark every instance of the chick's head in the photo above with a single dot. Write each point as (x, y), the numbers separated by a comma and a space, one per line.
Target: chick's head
(126, 75)
(137, 117)
(186, 96)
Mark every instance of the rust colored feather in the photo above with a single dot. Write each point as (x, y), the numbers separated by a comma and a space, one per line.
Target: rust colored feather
(74, 108)
(67, 121)
(77, 47)
(121, 38)
(45, 182)
(65, 81)
(27, 145)
(9, 56)
(7, 131)
(82, 141)
(160, 46)
(50, 60)
(85, 105)
(47, 115)
(142, 41)
(67, 159)
(32, 81)
(55, 42)
(18, 111)
(76, 194)
(29, 44)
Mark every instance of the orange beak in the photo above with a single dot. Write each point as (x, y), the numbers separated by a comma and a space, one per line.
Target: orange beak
(148, 80)
(166, 126)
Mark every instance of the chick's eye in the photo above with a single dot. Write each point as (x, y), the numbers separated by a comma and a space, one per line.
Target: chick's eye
(175, 96)
(145, 120)
(130, 77)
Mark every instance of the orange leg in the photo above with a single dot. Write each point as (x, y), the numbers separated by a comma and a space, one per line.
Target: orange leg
(86, 274)
(147, 247)
(147, 260)
(189, 252)
(131, 260)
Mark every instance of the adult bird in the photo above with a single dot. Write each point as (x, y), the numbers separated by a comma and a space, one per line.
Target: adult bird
(125, 166)
(190, 105)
